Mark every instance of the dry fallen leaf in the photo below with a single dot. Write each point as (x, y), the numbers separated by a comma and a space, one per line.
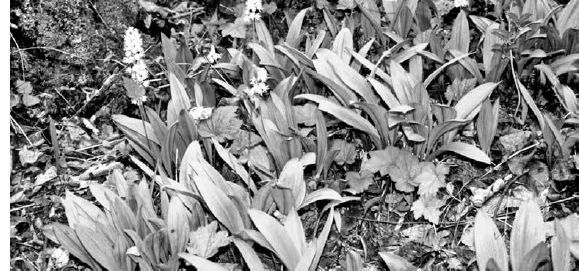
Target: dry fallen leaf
(28, 156)
(48, 175)
(514, 141)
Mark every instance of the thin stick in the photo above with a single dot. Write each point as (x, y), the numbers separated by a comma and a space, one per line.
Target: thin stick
(48, 49)
(21, 56)
(20, 128)
(500, 164)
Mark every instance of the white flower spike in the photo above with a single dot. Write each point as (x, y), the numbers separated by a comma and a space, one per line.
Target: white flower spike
(134, 56)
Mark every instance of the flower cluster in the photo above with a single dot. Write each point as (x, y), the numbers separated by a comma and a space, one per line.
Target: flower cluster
(213, 56)
(134, 56)
(460, 3)
(252, 10)
(258, 83)
(139, 100)
(201, 113)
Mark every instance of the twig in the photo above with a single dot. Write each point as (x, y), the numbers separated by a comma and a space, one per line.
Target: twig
(21, 56)
(21, 207)
(48, 49)
(100, 17)
(20, 128)
(106, 84)
(563, 200)
(99, 145)
(500, 164)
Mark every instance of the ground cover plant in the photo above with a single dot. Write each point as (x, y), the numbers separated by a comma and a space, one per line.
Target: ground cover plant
(294, 135)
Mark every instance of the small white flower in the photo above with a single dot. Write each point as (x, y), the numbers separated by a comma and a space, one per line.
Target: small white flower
(201, 113)
(261, 88)
(142, 99)
(258, 83)
(460, 3)
(252, 10)
(261, 74)
(213, 56)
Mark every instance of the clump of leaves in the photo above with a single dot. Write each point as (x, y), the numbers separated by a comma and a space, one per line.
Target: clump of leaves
(528, 247)
(408, 173)
(126, 233)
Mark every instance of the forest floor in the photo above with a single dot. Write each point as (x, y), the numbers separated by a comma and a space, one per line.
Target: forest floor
(67, 83)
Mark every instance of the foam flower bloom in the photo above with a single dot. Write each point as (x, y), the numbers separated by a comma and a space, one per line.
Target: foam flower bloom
(133, 46)
(201, 113)
(252, 10)
(139, 72)
(134, 54)
(460, 3)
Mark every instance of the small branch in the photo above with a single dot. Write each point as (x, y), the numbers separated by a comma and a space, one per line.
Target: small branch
(500, 164)
(21, 56)
(48, 49)
(14, 123)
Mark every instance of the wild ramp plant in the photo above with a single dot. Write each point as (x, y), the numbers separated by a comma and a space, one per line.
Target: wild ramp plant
(401, 114)
(274, 116)
(422, 124)
(127, 234)
(528, 249)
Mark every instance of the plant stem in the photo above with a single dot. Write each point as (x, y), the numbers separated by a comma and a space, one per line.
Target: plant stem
(142, 109)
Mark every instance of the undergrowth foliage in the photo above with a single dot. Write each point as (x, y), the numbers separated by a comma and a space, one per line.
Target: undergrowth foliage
(391, 103)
